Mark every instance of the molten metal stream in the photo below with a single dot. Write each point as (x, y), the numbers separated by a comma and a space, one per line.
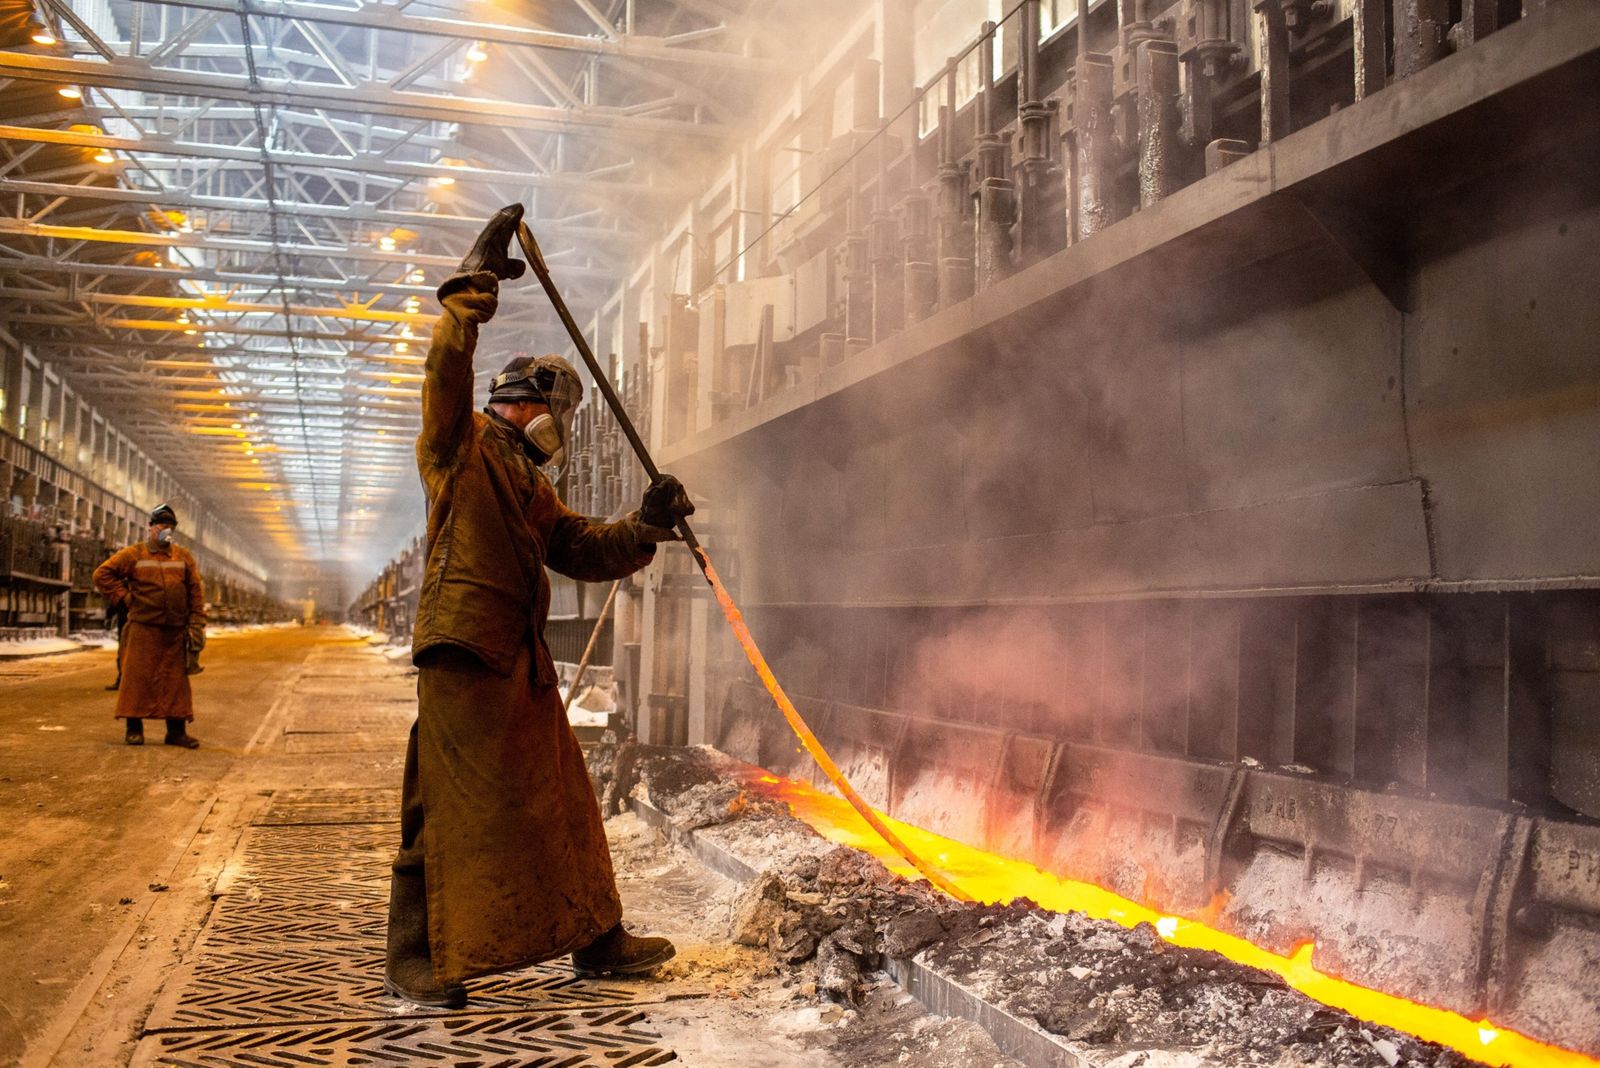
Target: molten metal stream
(990, 878)
(797, 724)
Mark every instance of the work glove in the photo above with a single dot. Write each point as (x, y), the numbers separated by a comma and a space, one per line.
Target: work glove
(666, 504)
(491, 253)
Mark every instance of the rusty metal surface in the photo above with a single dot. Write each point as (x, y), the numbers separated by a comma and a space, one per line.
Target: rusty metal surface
(1274, 37)
(1156, 92)
(1092, 131)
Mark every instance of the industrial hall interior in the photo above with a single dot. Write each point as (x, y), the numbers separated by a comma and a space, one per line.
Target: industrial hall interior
(800, 533)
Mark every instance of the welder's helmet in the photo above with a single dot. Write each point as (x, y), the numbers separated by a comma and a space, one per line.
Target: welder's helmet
(163, 513)
(552, 381)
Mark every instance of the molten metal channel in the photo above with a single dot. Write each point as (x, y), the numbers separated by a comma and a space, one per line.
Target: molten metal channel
(991, 879)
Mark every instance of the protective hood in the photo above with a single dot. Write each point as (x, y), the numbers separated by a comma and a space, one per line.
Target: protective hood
(553, 382)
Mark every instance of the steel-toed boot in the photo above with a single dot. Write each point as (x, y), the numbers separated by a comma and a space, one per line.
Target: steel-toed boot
(619, 953)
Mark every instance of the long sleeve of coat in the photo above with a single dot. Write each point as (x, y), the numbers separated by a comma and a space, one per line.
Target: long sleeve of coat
(447, 383)
(197, 608)
(588, 551)
(111, 578)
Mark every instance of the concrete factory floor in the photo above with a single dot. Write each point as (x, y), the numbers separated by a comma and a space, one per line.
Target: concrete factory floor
(159, 905)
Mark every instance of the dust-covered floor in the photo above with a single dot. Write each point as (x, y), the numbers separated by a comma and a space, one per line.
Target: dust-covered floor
(736, 1006)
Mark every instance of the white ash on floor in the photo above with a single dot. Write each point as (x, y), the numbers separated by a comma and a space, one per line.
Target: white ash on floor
(1127, 998)
(733, 1006)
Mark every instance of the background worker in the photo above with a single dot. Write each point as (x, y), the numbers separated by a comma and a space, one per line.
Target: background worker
(503, 861)
(157, 583)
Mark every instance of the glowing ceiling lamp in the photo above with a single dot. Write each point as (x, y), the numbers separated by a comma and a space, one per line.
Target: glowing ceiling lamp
(71, 92)
(478, 52)
(386, 243)
(44, 37)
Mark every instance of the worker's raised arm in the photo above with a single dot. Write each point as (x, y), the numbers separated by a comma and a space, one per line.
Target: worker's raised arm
(447, 378)
(467, 299)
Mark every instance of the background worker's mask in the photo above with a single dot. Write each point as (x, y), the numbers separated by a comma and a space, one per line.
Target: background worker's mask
(164, 537)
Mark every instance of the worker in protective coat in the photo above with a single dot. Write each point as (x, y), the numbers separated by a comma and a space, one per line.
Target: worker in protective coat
(157, 584)
(503, 861)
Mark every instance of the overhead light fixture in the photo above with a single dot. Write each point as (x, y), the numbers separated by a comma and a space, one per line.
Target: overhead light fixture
(71, 92)
(400, 346)
(444, 180)
(191, 330)
(44, 37)
(386, 243)
(418, 277)
(477, 53)
(105, 155)
(235, 426)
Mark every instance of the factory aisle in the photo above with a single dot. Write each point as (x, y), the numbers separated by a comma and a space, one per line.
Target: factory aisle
(160, 903)
(162, 906)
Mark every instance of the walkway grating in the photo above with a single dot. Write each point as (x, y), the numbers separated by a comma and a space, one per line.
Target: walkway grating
(288, 970)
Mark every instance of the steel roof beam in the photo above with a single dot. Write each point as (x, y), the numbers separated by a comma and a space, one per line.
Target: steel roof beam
(357, 166)
(390, 17)
(174, 275)
(356, 313)
(232, 244)
(135, 73)
(359, 213)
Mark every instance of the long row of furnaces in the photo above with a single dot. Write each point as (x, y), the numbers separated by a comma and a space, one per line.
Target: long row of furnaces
(1173, 466)
(57, 526)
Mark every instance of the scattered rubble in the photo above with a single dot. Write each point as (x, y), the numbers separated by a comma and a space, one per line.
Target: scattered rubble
(1128, 997)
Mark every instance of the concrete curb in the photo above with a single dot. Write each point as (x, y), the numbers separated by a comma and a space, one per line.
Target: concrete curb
(6, 657)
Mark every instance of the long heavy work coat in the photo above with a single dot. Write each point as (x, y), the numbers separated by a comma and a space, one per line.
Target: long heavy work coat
(515, 855)
(160, 589)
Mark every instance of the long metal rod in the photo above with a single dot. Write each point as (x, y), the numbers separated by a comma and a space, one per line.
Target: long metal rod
(752, 652)
(588, 650)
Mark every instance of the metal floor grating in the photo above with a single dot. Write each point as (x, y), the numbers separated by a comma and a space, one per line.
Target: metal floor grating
(289, 968)
(291, 984)
(605, 1038)
(327, 742)
(291, 807)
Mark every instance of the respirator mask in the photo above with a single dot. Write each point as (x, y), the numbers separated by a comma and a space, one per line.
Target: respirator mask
(547, 437)
(164, 536)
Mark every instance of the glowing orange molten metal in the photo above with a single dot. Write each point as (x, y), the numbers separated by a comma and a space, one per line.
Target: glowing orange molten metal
(863, 811)
(991, 879)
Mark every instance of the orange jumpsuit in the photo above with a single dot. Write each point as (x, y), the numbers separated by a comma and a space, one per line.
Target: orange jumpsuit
(161, 589)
